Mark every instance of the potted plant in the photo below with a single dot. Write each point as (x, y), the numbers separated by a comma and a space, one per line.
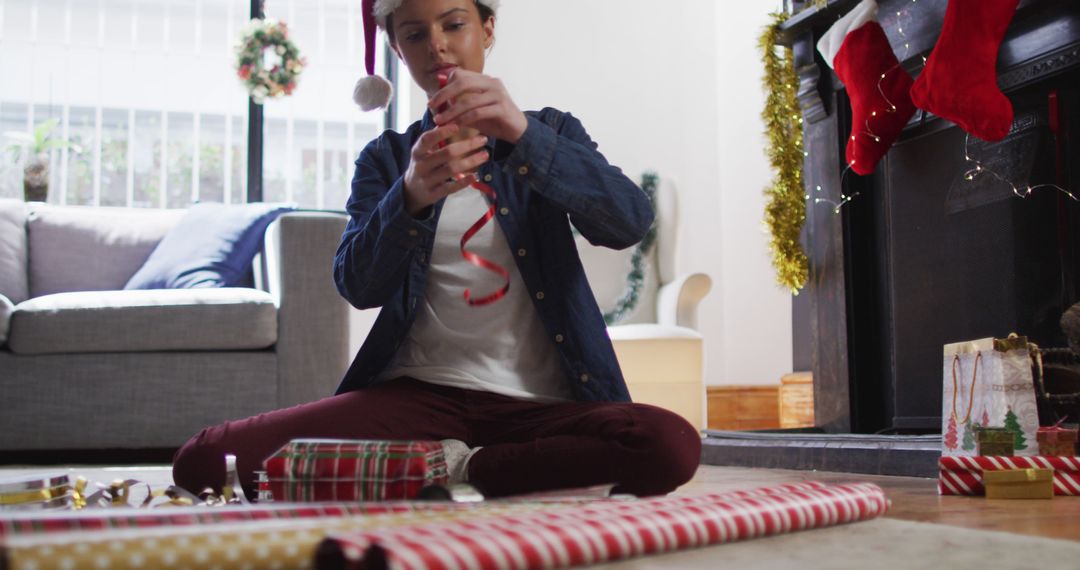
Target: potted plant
(34, 148)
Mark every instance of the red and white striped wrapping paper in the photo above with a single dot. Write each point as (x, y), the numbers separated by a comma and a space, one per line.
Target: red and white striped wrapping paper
(964, 475)
(354, 470)
(602, 532)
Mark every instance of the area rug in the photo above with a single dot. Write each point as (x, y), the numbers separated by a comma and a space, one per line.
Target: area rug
(880, 543)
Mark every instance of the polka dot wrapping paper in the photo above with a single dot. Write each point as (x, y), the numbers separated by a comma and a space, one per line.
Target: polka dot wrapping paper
(570, 531)
(252, 544)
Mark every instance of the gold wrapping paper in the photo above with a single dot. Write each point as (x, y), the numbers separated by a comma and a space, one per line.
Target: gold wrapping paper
(253, 545)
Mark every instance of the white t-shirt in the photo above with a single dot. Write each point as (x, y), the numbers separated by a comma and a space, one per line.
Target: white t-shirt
(500, 347)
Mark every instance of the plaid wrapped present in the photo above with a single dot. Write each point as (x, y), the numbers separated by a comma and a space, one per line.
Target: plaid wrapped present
(964, 475)
(354, 470)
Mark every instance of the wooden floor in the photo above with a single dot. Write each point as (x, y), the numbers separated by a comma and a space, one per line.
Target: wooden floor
(916, 499)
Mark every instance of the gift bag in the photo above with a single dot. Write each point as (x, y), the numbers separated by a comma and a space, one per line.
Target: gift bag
(987, 383)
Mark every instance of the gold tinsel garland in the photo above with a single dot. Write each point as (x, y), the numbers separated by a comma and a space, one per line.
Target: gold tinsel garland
(786, 209)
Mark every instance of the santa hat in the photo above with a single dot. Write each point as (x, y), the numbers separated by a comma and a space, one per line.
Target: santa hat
(374, 92)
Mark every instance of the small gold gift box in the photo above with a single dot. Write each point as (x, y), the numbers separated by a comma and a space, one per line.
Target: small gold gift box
(1019, 484)
(994, 442)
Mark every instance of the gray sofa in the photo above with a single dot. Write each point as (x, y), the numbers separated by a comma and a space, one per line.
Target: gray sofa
(85, 365)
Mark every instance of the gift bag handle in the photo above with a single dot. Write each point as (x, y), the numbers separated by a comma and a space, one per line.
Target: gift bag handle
(1037, 355)
(955, 388)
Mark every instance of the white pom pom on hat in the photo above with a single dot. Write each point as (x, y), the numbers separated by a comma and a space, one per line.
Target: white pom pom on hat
(374, 92)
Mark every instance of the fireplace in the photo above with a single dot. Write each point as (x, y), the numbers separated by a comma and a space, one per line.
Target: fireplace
(923, 256)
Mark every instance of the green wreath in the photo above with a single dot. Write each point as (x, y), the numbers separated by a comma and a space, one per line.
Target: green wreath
(267, 61)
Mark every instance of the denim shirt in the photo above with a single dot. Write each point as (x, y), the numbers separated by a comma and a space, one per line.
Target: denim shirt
(552, 177)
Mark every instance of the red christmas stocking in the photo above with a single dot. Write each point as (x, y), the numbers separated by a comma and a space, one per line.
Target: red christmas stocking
(960, 79)
(878, 87)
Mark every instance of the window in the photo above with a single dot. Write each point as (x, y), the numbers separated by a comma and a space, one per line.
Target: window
(147, 90)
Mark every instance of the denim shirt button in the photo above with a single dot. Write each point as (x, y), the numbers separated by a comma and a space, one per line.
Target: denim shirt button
(539, 295)
(504, 211)
(521, 252)
(558, 338)
(523, 170)
(413, 232)
(487, 178)
(584, 378)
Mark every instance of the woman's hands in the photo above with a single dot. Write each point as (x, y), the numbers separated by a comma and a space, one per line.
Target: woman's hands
(442, 161)
(435, 172)
(475, 100)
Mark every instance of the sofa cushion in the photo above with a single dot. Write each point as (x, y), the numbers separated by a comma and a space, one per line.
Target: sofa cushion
(6, 308)
(144, 321)
(13, 280)
(80, 248)
(212, 246)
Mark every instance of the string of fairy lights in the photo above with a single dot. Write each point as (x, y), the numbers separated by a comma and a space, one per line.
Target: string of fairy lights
(890, 108)
(784, 215)
(980, 169)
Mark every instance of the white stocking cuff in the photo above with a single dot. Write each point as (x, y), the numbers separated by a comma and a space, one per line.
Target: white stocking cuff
(829, 44)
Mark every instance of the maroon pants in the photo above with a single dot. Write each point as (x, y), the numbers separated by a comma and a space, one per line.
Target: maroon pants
(527, 446)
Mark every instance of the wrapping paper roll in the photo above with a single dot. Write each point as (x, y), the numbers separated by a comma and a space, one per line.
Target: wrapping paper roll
(35, 492)
(598, 533)
(964, 475)
(257, 537)
(252, 544)
(133, 518)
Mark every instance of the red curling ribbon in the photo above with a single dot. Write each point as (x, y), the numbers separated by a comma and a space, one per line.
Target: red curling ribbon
(480, 261)
(470, 256)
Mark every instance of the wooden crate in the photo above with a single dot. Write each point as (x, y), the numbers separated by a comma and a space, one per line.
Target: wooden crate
(743, 407)
(797, 400)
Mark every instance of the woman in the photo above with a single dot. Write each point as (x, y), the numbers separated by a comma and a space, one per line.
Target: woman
(525, 391)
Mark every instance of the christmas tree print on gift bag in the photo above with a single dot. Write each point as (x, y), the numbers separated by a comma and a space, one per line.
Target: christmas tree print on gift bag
(987, 383)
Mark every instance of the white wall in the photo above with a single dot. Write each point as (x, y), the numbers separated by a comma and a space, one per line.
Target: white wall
(672, 87)
(756, 332)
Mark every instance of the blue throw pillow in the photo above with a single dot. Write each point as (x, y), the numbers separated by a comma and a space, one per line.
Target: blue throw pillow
(213, 245)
